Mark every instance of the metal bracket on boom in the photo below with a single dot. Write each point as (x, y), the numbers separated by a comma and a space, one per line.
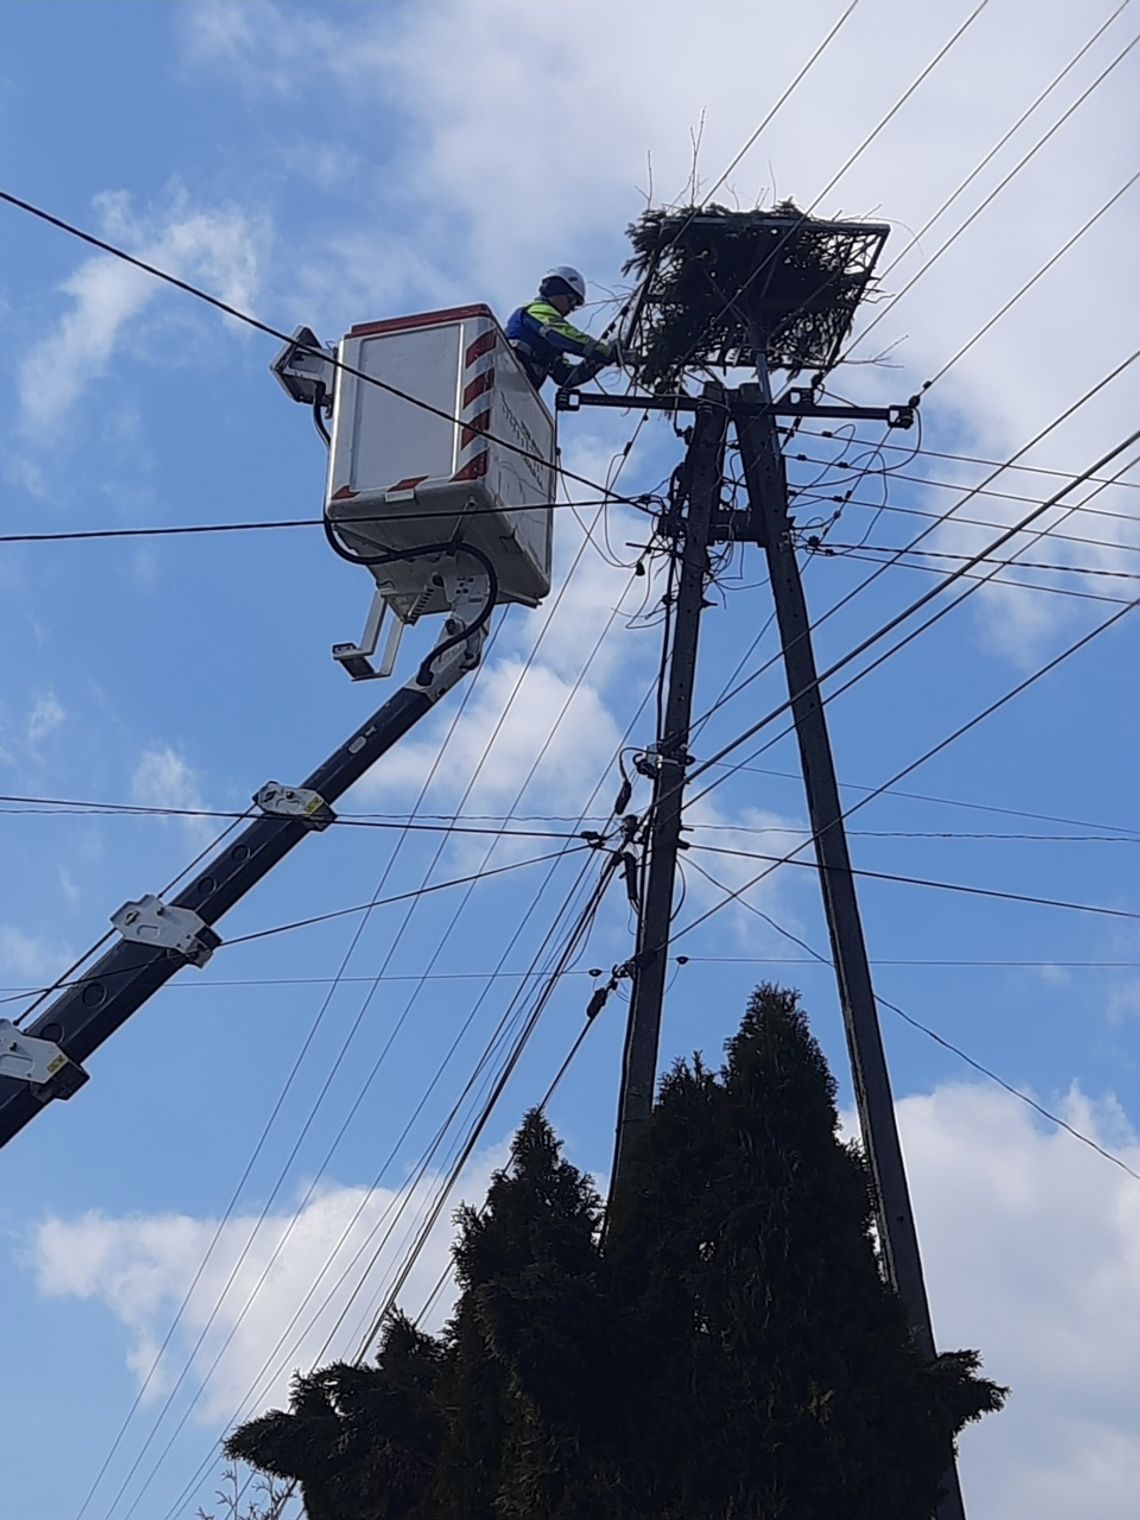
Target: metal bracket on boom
(295, 802)
(306, 368)
(40, 1063)
(152, 922)
(357, 658)
(465, 593)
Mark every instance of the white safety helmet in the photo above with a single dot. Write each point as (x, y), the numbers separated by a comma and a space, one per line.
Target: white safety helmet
(561, 279)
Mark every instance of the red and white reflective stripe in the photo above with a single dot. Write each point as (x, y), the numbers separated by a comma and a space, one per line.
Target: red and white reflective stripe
(481, 337)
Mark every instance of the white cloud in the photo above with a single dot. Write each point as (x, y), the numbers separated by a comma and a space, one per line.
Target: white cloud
(46, 716)
(221, 248)
(30, 957)
(465, 165)
(140, 1268)
(163, 778)
(1031, 1243)
(1032, 1248)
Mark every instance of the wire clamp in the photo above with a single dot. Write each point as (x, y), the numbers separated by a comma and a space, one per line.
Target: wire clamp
(300, 802)
(40, 1063)
(152, 922)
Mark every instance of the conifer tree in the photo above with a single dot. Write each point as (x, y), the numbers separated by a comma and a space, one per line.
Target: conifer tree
(782, 1379)
(732, 1353)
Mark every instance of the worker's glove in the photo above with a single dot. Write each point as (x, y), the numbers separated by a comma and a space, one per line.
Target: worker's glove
(605, 353)
(623, 354)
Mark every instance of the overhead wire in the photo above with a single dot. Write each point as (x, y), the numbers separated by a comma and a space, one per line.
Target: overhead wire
(936, 216)
(966, 888)
(959, 732)
(237, 1191)
(956, 802)
(411, 898)
(440, 944)
(883, 122)
(987, 553)
(985, 1071)
(988, 200)
(252, 1396)
(163, 275)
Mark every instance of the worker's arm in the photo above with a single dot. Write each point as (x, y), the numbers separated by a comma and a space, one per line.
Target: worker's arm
(552, 328)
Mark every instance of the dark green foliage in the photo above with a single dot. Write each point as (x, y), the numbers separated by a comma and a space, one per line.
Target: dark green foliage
(731, 1354)
(363, 1441)
(709, 272)
(746, 1234)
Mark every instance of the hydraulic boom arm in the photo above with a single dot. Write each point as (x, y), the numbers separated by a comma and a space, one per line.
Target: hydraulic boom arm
(43, 1060)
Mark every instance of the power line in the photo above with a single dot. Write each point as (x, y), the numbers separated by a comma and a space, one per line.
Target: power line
(929, 596)
(411, 898)
(1001, 465)
(1007, 533)
(246, 1172)
(181, 530)
(917, 881)
(916, 237)
(1040, 143)
(962, 729)
(867, 141)
(815, 490)
(282, 337)
(958, 802)
(924, 962)
(65, 807)
(353, 1109)
(932, 1034)
(939, 519)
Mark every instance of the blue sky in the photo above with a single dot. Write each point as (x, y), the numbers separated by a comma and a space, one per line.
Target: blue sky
(340, 163)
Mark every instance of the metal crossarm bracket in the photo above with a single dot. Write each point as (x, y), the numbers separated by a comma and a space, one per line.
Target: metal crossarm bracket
(295, 802)
(152, 922)
(38, 1062)
(793, 403)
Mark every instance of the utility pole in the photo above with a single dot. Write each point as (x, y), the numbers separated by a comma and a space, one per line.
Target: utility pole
(780, 289)
(699, 482)
(766, 484)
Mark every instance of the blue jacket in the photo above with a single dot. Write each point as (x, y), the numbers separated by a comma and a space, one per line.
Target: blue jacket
(542, 337)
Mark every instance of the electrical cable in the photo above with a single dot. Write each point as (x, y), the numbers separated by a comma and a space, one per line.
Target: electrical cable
(812, 493)
(966, 888)
(272, 332)
(998, 464)
(936, 591)
(978, 582)
(290, 1079)
(181, 530)
(998, 188)
(936, 749)
(251, 1397)
(932, 1034)
(892, 623)
(470, 786)
(916, 237)
(408, 1192)
(957, 802)
(66, 807)
(867, 141)
(865, 554)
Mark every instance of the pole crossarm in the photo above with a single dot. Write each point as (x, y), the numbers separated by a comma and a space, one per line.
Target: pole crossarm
(793, 403)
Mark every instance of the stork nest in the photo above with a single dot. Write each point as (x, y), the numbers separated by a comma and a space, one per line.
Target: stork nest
(712, 279)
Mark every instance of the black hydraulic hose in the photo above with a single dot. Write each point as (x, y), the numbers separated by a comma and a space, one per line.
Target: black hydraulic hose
(424, 674)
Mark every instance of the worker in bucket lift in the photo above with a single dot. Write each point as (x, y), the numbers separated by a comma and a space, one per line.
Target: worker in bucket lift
(542, 337)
